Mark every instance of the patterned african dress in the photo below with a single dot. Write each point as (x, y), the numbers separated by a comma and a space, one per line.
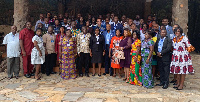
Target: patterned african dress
(135, 73)
(114, 45)
(181, 62)
(67, 60)
(147, 76)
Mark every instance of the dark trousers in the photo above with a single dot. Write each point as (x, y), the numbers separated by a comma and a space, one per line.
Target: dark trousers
(84, 59)
(108, 61)
(164, 69)
(13, 66)
(50, 62)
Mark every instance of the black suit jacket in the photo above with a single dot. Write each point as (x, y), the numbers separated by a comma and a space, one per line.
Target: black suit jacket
(166, 49)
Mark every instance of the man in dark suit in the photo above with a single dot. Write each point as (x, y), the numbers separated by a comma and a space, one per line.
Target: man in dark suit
(162, 48)
(116, 25)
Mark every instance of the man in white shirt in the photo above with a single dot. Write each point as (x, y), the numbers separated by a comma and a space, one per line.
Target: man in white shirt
(11, 41)
(137, 20)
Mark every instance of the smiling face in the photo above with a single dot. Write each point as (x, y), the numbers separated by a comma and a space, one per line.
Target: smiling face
(28, 25)
(13, 29)
(68, 33)
(117, 33)
(62, 29)
(134, 35)
(163, 33)
(108, 27)
(147, 36)
(39, 32)
(178, 33)
(125, 33)
(145, 27)
(97, 31)
(165, 22)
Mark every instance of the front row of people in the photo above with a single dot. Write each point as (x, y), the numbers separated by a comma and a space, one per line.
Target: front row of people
(136, 56)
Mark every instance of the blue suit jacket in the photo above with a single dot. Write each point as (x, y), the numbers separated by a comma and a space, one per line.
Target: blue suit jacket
(170, 32)
(118, 26)
(111, 35)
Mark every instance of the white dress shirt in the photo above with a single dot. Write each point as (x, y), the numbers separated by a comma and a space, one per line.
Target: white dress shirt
(13, 46)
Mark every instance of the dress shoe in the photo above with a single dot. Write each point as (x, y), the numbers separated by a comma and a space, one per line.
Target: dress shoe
(27, 75)
(104, 73)
(9, 78)
(17, 77)
(165, 86)
(93, 74)
(99, 75)
(32, 74)
(87, 75)
(161, 84)
(173, 81)
(179, 89)
(80, 75)
(53, 72)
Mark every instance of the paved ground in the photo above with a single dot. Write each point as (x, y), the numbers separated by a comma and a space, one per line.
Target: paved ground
(96, 89)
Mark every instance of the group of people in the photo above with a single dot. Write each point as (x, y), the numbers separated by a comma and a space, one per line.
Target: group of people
(143, 50)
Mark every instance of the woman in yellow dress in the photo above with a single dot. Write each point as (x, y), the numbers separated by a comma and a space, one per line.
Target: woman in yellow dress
(135, 73)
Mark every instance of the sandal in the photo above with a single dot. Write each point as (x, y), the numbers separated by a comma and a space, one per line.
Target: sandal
(124, 79)
(114, 75)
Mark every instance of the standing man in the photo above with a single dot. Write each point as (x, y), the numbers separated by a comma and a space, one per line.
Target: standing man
(11, 41)
(57, 27)
(101, 28)
(49, 44)
(83, 49)
(162, 48)
(169, 29)
(26, 44)
(108, 34)
(117, 25)
(137, 21)
(41, 20)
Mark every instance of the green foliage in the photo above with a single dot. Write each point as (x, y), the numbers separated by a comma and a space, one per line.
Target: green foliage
(161, 9)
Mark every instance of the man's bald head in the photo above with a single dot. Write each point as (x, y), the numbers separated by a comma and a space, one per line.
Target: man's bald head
(13, 29)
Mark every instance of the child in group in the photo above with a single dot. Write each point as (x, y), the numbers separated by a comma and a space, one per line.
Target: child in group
(38, 52)
(114, 46)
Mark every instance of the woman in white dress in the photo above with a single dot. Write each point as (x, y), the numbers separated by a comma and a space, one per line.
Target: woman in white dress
(38, 52)
(181, 63)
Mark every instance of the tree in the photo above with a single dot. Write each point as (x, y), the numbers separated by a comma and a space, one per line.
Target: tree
(180, 14)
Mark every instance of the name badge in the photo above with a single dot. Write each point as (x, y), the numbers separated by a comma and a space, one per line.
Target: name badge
(83, 40)
(108, 40)
(97, 43)
(52, 41)
(116, 44)
(68, 44)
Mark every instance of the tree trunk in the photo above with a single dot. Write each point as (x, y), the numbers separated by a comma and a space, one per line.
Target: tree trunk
(20, 18)
(20, 13)
(180, 14)
(147, 10)
(61, 7)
